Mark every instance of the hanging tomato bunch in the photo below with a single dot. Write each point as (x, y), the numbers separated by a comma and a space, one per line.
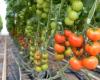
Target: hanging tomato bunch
(73, 11)
(42, 8)
(40, 61)
(79, 51)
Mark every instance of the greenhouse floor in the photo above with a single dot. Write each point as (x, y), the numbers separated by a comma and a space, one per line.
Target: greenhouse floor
(9, 69)
(9, 66)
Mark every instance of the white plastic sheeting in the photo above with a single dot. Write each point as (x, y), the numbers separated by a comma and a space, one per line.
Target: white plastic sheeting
(3, 6)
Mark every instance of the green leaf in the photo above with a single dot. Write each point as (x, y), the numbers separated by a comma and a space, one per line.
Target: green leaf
(88, 4)
(92, 11)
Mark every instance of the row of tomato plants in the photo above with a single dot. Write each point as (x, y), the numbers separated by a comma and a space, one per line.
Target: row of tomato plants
(41, 23)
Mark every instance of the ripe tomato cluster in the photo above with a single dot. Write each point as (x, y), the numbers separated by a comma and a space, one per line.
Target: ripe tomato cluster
(79, 51)
(22, 42)
(93, 47)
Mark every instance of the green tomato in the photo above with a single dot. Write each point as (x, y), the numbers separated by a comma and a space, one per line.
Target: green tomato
(44, 60)
(22, 17)
(73, 15)
(44, 67)
(30, 8)
(38, 12)
(29, 3)
(69, 9)
(37, 62)
(45, 4)
(43, 38)
(68, 21)
(44, 15)
(68, 52)
(38, 69)
(31, 53)
(74, 0)
(45, 55)
(26, 31)
(40, 1)
(77, 5)
(53, 25)
(46, 10)
(32, 48)
(31, 58)
(39, 6)
(48, 0)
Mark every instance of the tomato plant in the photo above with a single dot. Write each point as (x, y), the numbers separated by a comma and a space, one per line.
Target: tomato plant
(48, 23)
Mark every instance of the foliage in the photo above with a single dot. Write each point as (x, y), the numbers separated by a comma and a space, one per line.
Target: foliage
(1, 24)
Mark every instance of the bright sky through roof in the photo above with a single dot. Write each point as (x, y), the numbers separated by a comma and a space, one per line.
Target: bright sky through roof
(2, 9)
(3, 15)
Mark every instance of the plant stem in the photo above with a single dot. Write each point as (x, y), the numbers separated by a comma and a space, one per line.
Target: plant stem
(49, 16)
(56, 19)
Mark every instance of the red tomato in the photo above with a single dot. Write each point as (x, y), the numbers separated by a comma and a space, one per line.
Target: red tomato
(93, 34)
(90, 63)
(21, 38)
(67, 33)
(93, 49)
(59, 38)
(76, 41)
(59, 48)
(75, 64)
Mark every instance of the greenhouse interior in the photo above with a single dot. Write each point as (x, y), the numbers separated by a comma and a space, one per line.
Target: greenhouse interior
(49, 39)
